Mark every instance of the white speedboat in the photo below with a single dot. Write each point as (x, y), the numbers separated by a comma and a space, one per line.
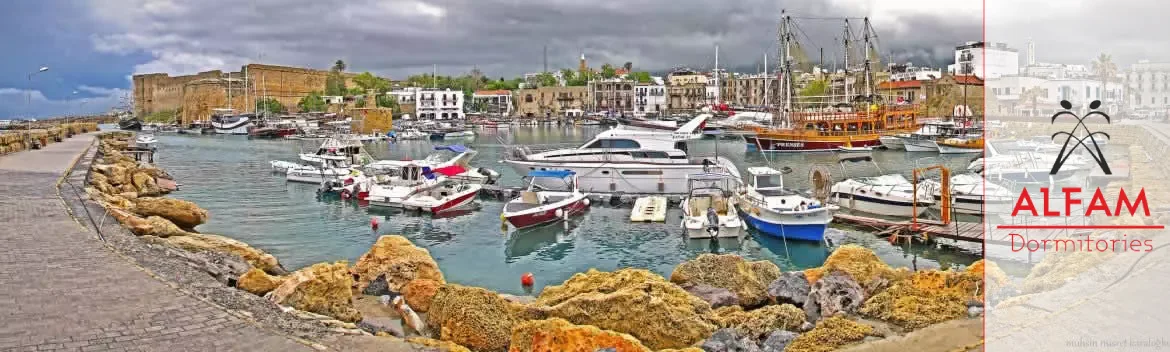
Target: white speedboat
(923, 140)
(459, 134)
(412, 134)
(146, 141)
(893, 142)
(619, 160)
(541, 205)
(775, 211)
(331, 168)
(410, 177)
(446, 196)
(971, 194)
(889, 195)
(1029, 168)
(709, 209)
(225, 122)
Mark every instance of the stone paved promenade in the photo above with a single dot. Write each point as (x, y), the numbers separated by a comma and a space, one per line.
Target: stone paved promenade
(61, 289)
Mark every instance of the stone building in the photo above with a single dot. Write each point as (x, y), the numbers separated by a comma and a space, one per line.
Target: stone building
(195, 95)
(750, 90)
(498, 102)
(551, 101)
(686, 91)
(614, 94)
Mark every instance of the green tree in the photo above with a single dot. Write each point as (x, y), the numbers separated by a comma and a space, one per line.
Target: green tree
(388, 101)
(1105, 69)
(335, 81)
(607, 71)
(269, 106)
(545, 79)
(360, 102)
(814, 88)
(367, 81)
(642, 77)
(339, 66)
(312, 103)
(629, 66)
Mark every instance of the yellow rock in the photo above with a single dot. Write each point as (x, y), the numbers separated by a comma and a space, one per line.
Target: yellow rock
(747, 280)
(472, 317)
(322, 288)
(208, 242)
(859, 262)
(927, 297)
(185, 214)
(442, 346)
(1057, 268)
(558, 335)
(632, 301)
(759, 322)
(420, 292)
(400, 260)
(258, 282)
(830, 334)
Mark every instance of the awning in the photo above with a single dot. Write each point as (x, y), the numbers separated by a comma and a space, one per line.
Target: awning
(449, 170)
(454, 148)
(551, 173)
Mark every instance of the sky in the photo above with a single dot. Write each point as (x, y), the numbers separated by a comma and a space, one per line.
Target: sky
(92, 47)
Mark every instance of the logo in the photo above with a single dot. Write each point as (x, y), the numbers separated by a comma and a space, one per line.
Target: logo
(1095, 151)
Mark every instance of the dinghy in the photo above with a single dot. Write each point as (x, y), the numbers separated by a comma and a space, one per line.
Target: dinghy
(538, 205)
(708, 211)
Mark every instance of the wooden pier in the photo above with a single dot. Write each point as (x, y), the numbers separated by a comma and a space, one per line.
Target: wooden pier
(959, 230)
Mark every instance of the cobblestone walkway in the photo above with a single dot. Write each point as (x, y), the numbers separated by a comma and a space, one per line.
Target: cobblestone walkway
(62, 290)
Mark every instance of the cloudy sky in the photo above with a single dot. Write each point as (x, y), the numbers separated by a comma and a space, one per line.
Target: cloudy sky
(93, 46)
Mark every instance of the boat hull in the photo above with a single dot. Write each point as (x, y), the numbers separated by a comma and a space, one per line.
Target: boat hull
(530, 219)
(803, 232)
(879, 206)
(920, 145)
(892, 143)
(946, 149)
(456, 202)
(615, 178)
(775, 144)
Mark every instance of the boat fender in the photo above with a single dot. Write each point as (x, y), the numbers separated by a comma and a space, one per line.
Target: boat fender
(559, 213)
(585, 201)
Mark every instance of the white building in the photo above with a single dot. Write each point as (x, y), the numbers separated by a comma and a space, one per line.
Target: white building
(910, 73)
(1149, 84)
(1055, 71)
(493, 102)
(1011, 99)
(996, 58)
(432, 104)
(405, 95)
(650, 99)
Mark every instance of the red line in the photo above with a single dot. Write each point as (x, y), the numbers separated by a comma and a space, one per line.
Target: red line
(1083, 227)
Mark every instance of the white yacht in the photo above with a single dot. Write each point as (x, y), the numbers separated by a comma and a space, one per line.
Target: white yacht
(619, 160)
(894, 142)
(1029, 168)
(889, 195)
(923, 140)
(410, 177)
(971, 194)
(146, 141)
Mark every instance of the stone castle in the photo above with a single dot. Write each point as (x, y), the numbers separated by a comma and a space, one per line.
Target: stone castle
(194, 96)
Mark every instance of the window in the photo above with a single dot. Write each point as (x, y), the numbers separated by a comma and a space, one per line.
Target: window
(650, 155)
(642, 172)
(614, 143)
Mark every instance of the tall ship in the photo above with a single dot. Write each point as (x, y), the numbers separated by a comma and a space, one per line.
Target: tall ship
(828, 122)
(226, 121)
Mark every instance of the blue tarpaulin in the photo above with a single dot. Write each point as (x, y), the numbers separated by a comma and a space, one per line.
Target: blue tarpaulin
(551, 173)
(455, 148)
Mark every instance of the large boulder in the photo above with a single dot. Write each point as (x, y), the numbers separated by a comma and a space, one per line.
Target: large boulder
(858, 262)
(208, 242)
(470, 316)
(397, 259)
(759, 322)
(926, 298)
(835, 293)
(378, 287)
(258, 282)
(433, 345)
(560, 335)
(632, 301)
(420, 292)
(729, 340)
(792, 287)
(830, 334)
(185, 214)
(777, 341)
(146, 185)
(749, 280)
(715, 296)
(322, 288)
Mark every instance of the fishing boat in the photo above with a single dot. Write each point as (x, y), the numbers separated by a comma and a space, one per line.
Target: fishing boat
(649, 209)
(925, 138)
(146, 141)
(541, 205)
(960, 145)
(775, 211)
(447, 195)
(893, 142)
(889, 195)
(709, 210)
(618, 160)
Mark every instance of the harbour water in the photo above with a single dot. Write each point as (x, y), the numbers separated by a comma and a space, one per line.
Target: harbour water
(231, 178)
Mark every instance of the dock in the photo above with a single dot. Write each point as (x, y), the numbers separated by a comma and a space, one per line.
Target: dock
(958, 230)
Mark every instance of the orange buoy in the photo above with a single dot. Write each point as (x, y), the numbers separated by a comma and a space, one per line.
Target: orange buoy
(526, 279)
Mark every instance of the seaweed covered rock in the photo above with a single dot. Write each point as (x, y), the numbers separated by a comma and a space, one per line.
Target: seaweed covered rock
(994, 279)
(632, 301)
(830, 334)
(749, 280)
(715, 296)
(471, 316)
(556, 335)
(397, 259)
(858, 262)
(1058, 267)
(258, 282)
(729, 340)
(835, 293)
(322, 288)
(757, 323)
(777, 341)
(437, 345)
(791, 287)
(927, 297)
(185, 214)
(420, 292)
(208, 242)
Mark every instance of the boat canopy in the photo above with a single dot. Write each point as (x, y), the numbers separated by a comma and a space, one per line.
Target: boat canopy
(709, 176)
(458, 148)
(551, 173)
(449, 170)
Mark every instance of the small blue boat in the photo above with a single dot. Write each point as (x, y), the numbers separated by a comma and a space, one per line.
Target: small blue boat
(782, 213)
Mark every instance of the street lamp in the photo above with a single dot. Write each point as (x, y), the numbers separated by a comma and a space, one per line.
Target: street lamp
(28, 100)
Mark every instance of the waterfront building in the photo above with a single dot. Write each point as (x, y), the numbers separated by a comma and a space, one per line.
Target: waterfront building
(496, 102)
(685, 91)
(908, 72)
(1149, 86)
(985, 60)
(612, 94)
(753, 90)
(1040, 96)
(434, 104)
(545, 102)
(650, 99)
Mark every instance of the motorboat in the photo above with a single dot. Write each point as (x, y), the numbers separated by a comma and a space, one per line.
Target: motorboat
(779, 212)
(409, 177)
(888, 195)
(330, 168)
(619, 160)
(411, 134)
(146, 141)
(849, 149)
(539, 204)
(225, 121)
(130, 123)
(1028, 168)
(924, 140)
(971, 194)
(960, 145)
(894, 142)
(709, 210)
(459, 134)
(447, 195)
(463, 156)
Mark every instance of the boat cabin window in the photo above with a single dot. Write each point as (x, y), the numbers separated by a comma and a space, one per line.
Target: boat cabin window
(614, 143)
(768, 181)
(642, 172)
(680, 145)
(649, 155)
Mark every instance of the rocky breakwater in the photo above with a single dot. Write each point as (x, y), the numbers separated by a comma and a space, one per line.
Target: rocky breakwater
(19, 139)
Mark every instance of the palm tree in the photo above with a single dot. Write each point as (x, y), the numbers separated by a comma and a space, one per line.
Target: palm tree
(1105, 69)
(339, 66)
(1031, 95)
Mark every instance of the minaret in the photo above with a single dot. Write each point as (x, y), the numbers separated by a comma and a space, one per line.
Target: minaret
(582, 67)
(1031, 53)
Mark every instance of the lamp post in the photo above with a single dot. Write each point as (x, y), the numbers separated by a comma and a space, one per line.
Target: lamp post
(28, 100)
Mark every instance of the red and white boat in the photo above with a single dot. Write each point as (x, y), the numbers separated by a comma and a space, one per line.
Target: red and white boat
(537, 206)
(448, 195)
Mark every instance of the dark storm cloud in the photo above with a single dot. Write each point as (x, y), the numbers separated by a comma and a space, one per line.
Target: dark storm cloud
(500, 37)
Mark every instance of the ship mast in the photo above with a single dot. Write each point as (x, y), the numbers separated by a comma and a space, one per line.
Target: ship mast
(848, 91)
(784, 75)
(868, 32)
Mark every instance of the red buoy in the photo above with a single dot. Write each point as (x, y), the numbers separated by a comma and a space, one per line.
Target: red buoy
(374, 223)
(526, 279)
